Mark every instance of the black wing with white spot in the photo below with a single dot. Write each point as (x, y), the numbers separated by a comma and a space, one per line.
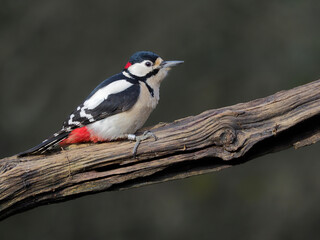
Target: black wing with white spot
(114, 95)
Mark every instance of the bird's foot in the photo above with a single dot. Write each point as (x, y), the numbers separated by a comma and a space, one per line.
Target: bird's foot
(139, 139)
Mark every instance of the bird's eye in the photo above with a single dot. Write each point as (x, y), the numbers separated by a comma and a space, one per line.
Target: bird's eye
(148, 64)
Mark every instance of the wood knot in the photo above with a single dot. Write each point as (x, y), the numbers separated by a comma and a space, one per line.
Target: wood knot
(224, 137)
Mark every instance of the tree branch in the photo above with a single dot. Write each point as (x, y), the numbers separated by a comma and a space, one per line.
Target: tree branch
(210, 141)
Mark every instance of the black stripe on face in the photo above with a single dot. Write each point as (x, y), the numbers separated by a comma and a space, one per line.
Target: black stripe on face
(150, 89)
(144, 78)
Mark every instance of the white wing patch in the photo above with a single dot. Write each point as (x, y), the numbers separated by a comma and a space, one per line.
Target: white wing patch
(96, 99)
(71, 122)
(103, 93)
(86, 115)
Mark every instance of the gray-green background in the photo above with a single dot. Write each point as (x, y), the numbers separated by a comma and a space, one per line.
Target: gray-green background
(53, 53)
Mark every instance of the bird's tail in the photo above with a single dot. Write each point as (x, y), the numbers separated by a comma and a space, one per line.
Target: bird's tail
(46, 145)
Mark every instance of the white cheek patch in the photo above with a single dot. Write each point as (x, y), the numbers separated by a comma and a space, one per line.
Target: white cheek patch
(140, 69)
(102, 94)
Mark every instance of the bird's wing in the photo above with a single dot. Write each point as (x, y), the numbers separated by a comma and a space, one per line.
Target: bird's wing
(112, 96)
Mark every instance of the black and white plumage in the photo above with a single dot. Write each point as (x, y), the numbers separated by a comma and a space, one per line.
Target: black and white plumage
(117, 107)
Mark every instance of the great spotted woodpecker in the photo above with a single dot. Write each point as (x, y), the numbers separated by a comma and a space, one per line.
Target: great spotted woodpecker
(116, 108)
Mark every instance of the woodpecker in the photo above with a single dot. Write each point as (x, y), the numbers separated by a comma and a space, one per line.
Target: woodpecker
(116, 108)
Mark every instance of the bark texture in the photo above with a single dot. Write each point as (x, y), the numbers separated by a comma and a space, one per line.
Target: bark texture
(210, 141)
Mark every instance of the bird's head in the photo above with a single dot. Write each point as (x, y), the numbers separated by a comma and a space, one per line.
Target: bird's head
(148, 65)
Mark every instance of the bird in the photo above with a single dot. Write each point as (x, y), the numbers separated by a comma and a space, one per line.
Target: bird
(116, 108)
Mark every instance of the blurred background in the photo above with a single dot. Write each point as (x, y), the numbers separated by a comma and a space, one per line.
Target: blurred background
(53, 53)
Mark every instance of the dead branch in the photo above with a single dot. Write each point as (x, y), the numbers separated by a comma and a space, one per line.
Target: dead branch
(210, 141)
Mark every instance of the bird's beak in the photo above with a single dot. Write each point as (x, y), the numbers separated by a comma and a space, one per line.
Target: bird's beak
(169, 64)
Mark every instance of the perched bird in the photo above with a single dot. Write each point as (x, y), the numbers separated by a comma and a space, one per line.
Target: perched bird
(116, 108)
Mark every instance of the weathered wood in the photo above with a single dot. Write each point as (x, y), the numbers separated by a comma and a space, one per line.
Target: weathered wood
(210, 141)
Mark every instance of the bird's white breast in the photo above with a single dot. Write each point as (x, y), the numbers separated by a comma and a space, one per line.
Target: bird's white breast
(121, 124)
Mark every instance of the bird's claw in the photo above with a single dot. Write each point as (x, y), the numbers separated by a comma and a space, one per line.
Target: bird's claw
(139, 139)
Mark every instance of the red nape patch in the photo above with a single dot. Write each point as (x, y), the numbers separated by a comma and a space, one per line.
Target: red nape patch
(79, 135)
(127, 65)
